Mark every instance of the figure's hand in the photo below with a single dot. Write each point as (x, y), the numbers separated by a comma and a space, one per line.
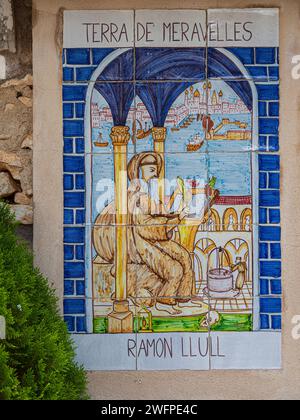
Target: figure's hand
(177, 192)
(188, 197)
(185, 212)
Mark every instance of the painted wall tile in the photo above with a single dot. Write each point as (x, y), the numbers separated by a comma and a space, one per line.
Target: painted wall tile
(110, 105)
(98, 29)
(103, 286)
(271, 305)
(178, 107)
(175, 201)
(70, 322)
(170, 63)
(101, 186)
(230, 121)
(243, 63)
(268, 92)
(250, 351)
(220, 64)
(243, 28)
(173, 351)
(103, 64)
(187, 315)
(102, 309)
(209, 132)
(184, 317)
(232, 234)
(106, 352)
(74, 306)
(182, 171)
(249, 39)
(232, 314)
(171, 292)
(170, 28)
(233, 173)
(230, 264)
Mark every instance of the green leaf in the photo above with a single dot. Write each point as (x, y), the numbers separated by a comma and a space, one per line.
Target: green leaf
(212, 182)
(37, 357)
(181, 186)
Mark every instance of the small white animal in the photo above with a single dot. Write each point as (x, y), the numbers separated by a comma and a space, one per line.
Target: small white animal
(212, 318)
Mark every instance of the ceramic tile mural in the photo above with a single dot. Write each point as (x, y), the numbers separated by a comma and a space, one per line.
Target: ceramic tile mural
(172, 188)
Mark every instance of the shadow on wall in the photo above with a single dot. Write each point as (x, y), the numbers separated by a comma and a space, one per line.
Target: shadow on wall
(18, 51)
(25, 232)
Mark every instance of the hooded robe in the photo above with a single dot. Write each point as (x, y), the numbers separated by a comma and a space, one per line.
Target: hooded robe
(159, 269)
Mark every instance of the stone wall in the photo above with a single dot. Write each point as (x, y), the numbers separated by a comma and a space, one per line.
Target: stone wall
(7, 35)
(16, 108)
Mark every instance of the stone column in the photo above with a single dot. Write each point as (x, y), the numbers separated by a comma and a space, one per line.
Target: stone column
(188, 230)
(121, 319)
(159, 135)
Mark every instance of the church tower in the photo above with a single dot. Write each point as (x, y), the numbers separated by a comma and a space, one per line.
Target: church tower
(209, 87)
(221, 94)
(186, 98)
(214, 100)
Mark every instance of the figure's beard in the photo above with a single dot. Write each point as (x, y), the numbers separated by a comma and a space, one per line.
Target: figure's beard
(152, 186)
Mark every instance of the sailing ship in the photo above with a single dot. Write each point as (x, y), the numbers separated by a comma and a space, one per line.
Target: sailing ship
(100, 142)
(186, 123)
(195, 143)
(139, 133)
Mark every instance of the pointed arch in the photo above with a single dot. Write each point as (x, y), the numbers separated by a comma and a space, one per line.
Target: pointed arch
(205, 245)
(202, 249)
(214, 221)
(230, 220)
(246, 220)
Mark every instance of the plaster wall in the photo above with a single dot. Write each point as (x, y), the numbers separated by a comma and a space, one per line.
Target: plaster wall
(48, 204)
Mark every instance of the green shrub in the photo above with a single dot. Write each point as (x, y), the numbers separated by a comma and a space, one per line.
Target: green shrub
(37, 357)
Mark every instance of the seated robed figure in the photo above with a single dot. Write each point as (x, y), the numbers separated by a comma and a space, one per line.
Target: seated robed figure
(160, 270)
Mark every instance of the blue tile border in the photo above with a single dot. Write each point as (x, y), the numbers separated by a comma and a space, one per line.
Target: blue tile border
(263, 65)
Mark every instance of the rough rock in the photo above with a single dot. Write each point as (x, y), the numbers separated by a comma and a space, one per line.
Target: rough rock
(24, 214)
(12, 163)
(10, 159)
(22, 198)
(29, 193)
(16, 94)
(27, 91)
(25, 177)
(16, 112)
(27, 142)
(7, 185)
(26, 81)
(26, 101)
(9, 107)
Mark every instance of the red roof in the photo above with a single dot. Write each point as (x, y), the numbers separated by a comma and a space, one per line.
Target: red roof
(233, 200)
